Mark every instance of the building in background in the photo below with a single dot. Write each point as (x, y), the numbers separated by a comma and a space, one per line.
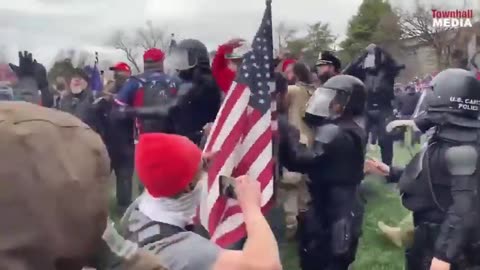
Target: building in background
(422, 59)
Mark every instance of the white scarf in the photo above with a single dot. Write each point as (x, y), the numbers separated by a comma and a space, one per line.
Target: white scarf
(178, 212)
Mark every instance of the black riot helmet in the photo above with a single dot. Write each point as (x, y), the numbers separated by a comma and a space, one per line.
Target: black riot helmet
(455, 91)
(189, 53)
(341, 95)
(452, 99)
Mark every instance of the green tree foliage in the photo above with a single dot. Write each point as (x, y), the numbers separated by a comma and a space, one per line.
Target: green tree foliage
(319, 37)
(375, 22)
(63, 68)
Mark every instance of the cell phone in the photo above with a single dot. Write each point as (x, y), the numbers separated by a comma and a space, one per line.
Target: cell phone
(227, 186)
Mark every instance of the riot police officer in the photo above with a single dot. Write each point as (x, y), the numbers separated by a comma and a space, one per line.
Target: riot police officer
(199, 96)
(440, 185)
(330, 229)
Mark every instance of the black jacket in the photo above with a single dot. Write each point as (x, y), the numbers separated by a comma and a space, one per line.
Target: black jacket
(334, 164)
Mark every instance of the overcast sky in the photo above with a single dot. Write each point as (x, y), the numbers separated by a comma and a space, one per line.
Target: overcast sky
(45, 26)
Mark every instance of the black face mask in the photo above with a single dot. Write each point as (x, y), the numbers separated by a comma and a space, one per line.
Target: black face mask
(325, 77)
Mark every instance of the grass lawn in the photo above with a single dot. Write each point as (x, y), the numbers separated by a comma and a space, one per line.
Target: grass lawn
(383, 204)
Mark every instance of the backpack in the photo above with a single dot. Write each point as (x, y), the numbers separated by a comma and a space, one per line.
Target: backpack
(158, 90)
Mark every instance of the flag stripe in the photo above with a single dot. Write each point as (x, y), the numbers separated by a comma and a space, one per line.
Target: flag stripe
(264, 175)
(242, 134)
(255, 140)
(231, 109)
(219, 166)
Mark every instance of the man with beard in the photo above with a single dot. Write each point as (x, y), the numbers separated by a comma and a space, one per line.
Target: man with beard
(199, 97)
(330, 229)
(440, 185)
(328, 65)
(79, 98)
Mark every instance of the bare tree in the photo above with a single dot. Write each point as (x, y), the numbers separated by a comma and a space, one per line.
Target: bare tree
(285, 33)
(143, 38)
(152, 37)
(419, 25)
(125, 43)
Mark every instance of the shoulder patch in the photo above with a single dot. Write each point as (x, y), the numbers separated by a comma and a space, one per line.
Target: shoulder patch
(461, 160)
(326, 133)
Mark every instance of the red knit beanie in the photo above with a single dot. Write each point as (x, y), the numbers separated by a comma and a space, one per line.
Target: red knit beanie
(166, 163)
(286, 63)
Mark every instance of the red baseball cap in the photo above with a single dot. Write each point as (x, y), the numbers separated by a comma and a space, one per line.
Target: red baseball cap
(121, 66)
(153, 55)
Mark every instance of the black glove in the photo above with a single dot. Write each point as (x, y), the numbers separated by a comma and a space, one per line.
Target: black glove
(29, 67)
(26, 67)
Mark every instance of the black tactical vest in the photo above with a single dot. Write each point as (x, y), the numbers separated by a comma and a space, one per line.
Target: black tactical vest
(425, 183)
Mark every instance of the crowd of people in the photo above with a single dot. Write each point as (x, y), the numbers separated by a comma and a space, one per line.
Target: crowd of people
(157, 123)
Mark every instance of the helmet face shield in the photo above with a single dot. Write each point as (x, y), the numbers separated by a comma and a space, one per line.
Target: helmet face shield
(321, 102)
(181, 59)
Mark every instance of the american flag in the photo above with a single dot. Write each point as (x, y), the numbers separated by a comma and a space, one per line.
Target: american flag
(242, 134)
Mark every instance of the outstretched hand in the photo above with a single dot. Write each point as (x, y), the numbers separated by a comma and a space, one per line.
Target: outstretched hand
(373, 166)
(236, 42)
(399, 123)
(29, 67)
(26, 65)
